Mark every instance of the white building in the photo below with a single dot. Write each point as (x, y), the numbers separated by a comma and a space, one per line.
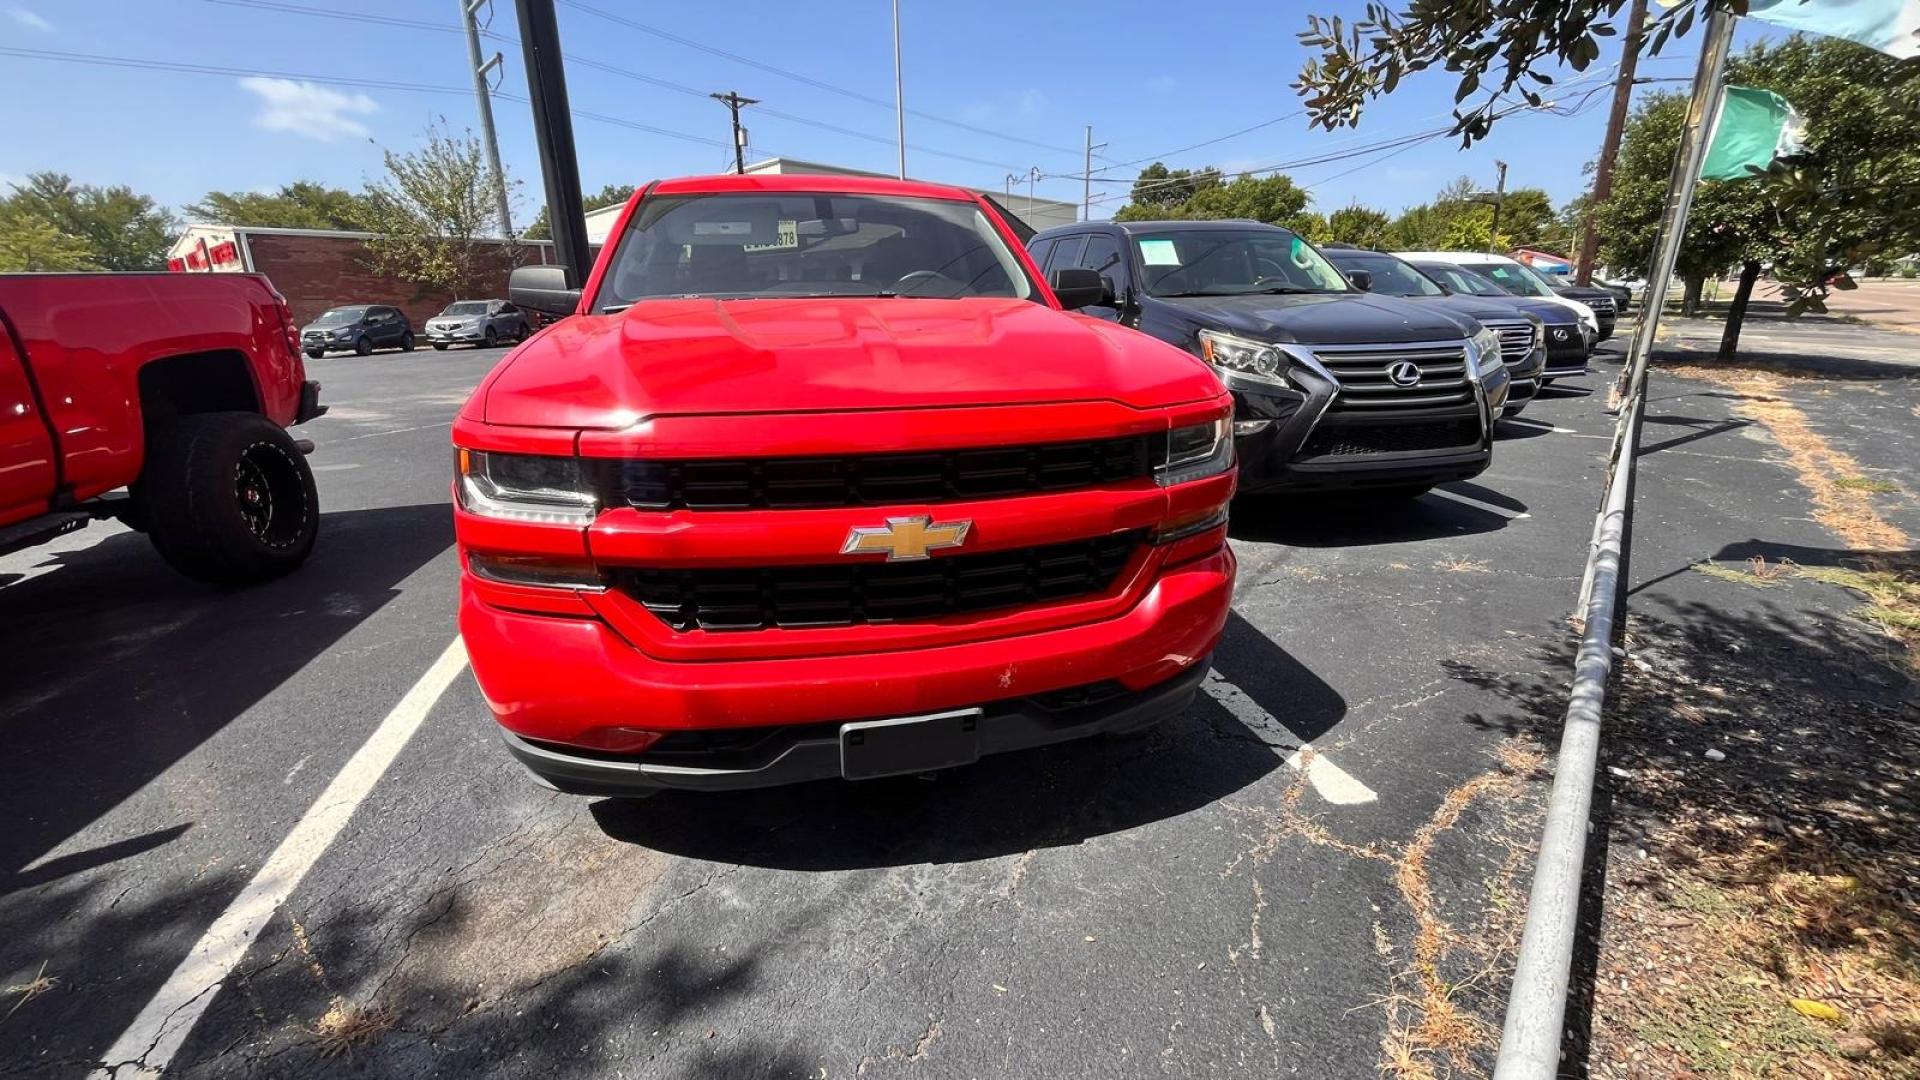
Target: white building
(1039, 213)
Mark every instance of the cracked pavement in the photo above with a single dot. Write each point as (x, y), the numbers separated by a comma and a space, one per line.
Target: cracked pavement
(1162, 905)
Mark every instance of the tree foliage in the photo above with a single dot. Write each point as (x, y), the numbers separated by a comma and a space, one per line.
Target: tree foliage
(1361, 226)
(1496, 48)
(29, 242)
(303, 204)
(104, 228)
(611, 195)
(1275, 199)
(1850, 197)
(429, 212)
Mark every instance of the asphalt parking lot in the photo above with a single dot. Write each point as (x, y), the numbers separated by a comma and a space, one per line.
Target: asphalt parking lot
(1241, 893)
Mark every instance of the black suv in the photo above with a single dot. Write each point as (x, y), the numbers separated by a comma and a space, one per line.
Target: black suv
(1333, 388)
(360, 327)
(1567, 344)
(1523, 335)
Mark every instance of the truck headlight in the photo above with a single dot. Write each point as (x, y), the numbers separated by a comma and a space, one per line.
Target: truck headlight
(1197, 452)
(1485, 347)
(526, 487)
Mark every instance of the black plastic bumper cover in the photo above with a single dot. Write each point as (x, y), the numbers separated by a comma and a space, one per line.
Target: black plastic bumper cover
(1020, 724)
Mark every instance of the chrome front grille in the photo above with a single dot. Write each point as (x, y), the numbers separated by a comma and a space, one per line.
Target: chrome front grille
(1516, 341)
(1364, 373)
(1601, 305)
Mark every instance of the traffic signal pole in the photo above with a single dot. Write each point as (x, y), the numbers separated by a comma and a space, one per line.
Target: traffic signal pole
(553, 131)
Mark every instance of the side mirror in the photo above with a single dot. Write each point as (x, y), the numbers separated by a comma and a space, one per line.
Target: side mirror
(1078, 287)
(542, 288)
(1362, 280)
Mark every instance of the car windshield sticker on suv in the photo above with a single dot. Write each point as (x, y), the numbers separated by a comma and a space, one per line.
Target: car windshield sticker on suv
(742, 247)
(1234, 262)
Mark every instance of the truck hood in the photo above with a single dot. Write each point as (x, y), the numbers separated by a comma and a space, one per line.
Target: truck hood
(704, 356)
(1353, 318)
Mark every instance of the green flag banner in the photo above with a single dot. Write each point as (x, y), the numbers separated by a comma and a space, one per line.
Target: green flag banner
(1753, 129)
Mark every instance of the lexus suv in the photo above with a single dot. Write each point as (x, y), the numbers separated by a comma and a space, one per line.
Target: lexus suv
(817, 478)
(1523, 335)
(1334, 388)
(1568, 344)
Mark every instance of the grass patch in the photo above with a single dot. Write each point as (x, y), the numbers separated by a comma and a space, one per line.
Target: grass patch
(1861, 483)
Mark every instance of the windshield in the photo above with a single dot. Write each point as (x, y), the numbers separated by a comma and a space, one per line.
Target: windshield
(1233, 262)
(749, 246)
(340, 315)
(1461, 280)
(1391, 276)
(467, 307)
(1514, 278)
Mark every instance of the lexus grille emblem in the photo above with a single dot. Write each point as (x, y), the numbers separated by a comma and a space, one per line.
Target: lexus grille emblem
(904, 539)
(1559, 333)
(1404, 373)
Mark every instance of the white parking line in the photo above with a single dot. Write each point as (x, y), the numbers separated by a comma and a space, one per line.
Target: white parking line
(148, 1045)
(1329, 781)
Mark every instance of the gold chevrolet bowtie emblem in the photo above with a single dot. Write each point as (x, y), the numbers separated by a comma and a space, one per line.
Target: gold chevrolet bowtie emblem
(904, 539)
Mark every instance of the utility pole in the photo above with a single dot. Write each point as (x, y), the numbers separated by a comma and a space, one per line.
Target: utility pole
(1086, 185)
(1610, 146)
(469, 17)
(1499, 199)
(553, 131)
(899, 95)
(733, 101)
(1033, 174)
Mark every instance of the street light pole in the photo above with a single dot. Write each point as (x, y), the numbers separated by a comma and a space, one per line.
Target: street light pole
(899, 95)
(469, 18)
(553, 131)
(1499, 199)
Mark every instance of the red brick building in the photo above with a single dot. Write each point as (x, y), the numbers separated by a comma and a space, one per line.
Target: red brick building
(317, 269)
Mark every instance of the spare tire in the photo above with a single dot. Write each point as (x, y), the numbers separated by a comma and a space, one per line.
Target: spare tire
(229, 498)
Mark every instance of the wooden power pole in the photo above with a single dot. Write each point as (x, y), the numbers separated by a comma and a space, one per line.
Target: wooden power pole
(733, 101)
(1610, 147)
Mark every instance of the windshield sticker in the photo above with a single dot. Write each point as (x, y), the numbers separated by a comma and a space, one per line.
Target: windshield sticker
(1159, 253)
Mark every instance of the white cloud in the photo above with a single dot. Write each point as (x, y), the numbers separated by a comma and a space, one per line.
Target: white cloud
(30, 20)
(304, 108)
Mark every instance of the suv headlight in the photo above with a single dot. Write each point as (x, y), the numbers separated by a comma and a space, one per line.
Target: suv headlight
(526, 487)
(1485, 347)
(1197, 452)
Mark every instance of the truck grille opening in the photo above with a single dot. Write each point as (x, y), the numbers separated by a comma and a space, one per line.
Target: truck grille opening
(1367, 387)
(877, 479)
(1601, 305)
(1391, 438)
(1516, 341)
(856, 593)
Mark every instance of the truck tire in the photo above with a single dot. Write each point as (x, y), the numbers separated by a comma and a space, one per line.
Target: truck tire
(229, 498)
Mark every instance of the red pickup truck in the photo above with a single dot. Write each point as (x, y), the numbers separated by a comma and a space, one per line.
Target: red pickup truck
(817, 478)
(177, 388)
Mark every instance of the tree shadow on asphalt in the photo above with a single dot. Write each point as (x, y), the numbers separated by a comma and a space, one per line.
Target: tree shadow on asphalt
(1515, 428)
(1007, 803)
(1358, 520)
(1817, 720)
(1698, 428)
(117, 669)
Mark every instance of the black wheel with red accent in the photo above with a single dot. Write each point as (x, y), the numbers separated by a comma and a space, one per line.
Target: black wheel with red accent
(229, 498)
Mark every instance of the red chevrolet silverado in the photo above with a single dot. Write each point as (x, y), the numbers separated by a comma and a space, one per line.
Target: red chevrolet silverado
(177, 388)
(817, 478)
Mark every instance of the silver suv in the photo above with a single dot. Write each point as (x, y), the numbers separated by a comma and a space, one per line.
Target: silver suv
(478, 322)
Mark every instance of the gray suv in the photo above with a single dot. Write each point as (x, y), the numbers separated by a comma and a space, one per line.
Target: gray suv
(478, 322)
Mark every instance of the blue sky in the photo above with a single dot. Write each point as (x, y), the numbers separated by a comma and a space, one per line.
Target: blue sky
(1006, 87)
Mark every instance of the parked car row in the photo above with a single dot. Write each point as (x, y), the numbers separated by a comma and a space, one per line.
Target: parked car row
(362, 328)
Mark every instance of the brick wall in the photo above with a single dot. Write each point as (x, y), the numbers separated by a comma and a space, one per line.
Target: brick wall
(315, 273)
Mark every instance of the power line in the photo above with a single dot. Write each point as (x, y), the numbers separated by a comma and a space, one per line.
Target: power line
(1210, 142)
(599, 65)
(808, 80)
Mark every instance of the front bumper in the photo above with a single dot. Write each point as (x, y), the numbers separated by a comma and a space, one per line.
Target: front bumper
(790, 755)
(465, 333)
(551, 682)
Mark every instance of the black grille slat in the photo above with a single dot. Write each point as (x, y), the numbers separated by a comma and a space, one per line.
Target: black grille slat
(1366, 387)
(793, 597)
(875, 479)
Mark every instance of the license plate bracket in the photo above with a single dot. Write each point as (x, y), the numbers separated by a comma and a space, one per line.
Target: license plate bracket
(909, 744)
